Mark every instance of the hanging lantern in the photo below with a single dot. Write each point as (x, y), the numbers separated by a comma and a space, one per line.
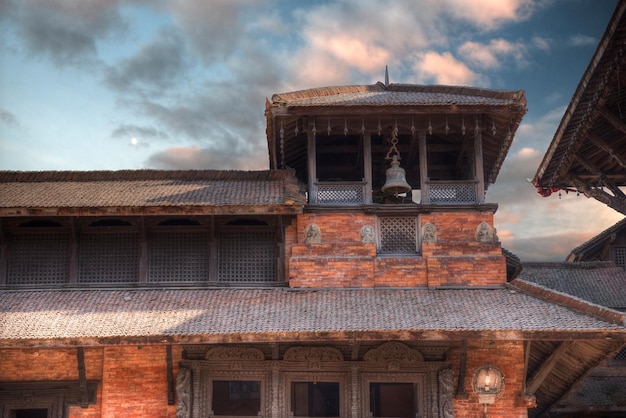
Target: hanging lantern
(395, 177)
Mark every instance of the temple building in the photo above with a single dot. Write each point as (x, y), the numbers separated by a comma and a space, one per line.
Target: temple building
(361, 275)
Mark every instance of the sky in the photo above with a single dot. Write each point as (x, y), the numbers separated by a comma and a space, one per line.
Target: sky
(181, 84)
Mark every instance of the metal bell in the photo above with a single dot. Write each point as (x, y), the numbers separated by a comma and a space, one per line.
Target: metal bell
(395, 182)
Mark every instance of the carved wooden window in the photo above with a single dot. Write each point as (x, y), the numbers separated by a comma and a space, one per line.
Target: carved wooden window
(109, 253)
(236, 398)
(247, 254)
(398, 235)
(315, 399)
(38, 258)
(178, 256)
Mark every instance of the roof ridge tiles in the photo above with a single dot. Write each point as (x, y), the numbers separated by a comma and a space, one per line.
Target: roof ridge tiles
(568, 301)
(142, 175)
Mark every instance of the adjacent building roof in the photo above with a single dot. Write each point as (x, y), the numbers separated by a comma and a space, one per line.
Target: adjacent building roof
(598, 282)
(587, 151)
(597, 244)
(149, 191)
(58, 317)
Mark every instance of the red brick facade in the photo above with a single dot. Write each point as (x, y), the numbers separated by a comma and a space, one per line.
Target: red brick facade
(341, 260)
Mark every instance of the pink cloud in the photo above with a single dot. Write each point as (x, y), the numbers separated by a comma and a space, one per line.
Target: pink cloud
(445, 69)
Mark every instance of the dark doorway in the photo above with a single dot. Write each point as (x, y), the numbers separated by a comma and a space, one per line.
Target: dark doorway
(236, 397)
(392, 400)
(29, 413)
(315, 399)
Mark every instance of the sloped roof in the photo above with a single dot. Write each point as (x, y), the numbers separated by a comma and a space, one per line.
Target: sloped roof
(587, 150)
(274, 314)
(380, 94)
(598, 282)
(591, 245)
(597, 393)
(208, 191)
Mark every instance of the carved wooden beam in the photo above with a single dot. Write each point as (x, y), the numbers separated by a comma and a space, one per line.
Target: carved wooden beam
(589, 166)
(170, 375)
(613, 154)
(460, 391)
(613, 120)
(546, 367)
(615, 202)
(525, 400)
(82, 378)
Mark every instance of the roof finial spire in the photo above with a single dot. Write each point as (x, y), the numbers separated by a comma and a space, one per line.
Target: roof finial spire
(386, 77)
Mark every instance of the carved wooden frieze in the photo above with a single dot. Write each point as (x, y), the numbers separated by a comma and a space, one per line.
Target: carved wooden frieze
(394, 351)
(235, 354)
(446, 393)
(313, 355)
(183, 393)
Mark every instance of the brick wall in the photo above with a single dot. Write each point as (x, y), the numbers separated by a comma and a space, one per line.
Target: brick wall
(133, 379)
(508, 357)
(341, 260)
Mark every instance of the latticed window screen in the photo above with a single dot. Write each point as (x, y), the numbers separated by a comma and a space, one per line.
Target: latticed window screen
(340, 194)
(620, 357)
(620, 257)
(38, 259)
(453, 193)
(179, 257)
(109, 257)
(398, 235)
(247, 256)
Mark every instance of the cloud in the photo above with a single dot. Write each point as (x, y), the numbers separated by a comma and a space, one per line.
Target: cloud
(130, 131)
(444, 69)
(8, 119)
(156, 67)
(582, 40)
(216, 28)
(64, 31)
(541, 43)
(195, 157)
(490, 14)
(491, 55)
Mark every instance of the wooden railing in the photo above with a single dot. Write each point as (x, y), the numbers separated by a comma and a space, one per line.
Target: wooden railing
(338, 193)
(451, 192)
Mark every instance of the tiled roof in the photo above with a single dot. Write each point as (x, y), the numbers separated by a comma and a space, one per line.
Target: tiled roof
(274, 314)
(596, 394)
(398, 95)
(598, 282)
(148, 188)
(598, 239)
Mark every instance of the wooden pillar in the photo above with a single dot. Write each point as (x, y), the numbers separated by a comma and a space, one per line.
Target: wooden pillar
(425, 198)
(367, 165)
(312, 165)
(478, 158)
(74, 238)
(4, 256)
(143, 252)
(212, 237)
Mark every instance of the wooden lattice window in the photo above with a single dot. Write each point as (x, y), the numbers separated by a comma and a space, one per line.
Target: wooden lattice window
(620, 256)
(247, 255)
(109, 257)
(40, 258)
(179, 257)
(398, 235)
